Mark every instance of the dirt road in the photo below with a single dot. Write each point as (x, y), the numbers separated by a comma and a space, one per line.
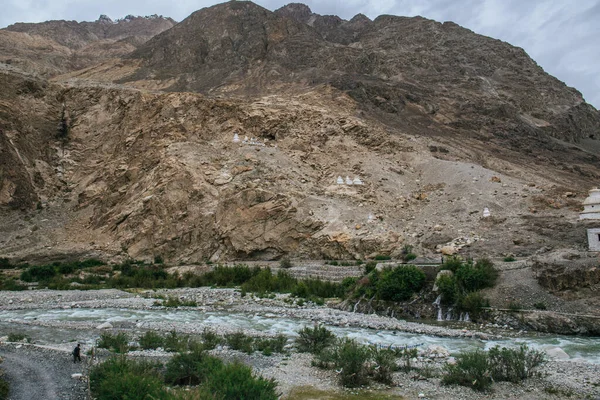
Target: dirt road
(41, 374)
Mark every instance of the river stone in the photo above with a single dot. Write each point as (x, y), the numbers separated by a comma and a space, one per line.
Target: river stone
(77, 376)
(106, 325)
(557, 352)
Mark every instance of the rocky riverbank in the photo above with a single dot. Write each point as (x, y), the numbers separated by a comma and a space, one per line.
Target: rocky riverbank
(558, 378)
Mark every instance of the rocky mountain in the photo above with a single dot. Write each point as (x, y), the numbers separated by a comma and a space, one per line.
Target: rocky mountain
(55, 47)
(133, 156)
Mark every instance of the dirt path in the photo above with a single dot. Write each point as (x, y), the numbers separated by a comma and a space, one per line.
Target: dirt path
(39, 373)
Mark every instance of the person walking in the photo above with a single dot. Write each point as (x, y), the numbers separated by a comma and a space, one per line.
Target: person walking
(77, 353)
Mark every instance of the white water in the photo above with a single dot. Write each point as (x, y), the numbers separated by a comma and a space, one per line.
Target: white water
(587, 348)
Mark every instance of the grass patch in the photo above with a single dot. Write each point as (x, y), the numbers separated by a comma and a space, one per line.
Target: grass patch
(310, 393)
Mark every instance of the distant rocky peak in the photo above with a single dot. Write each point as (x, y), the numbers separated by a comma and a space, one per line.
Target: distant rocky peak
(104, 19)
(361, 18)
(298, 11)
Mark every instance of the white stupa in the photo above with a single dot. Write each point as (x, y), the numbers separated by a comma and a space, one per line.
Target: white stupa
(357, 181)
(236, 138)
(371, 218)
(486, 212)
(591, 211)
(340, 180)
(348, 180)
(591, 206)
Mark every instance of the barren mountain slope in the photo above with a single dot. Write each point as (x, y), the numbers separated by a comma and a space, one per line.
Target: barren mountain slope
(437, 121)
(55, 47)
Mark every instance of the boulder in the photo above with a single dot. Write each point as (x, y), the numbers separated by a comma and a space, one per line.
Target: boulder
(448, 250)
(105, 325)
(557, 353)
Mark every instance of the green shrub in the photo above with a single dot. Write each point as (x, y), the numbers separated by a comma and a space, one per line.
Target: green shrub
(314, 340)
(385, 364)
(515, 306)
(158, 259)
(407, 254)
(406, 355)
(240, 341)
(117, 343)
(509, 259)
(11, 284)
(472, 302)
(151, 340)
(4, 388)
(351, 357)
(191, 368)
(38, 273)
(452, 263)
(119, 378)
(448, 288)
(268, 346)
(237, 381)
(473, 277)
(514, 365)
(210, 339)
(381, 257)
(540, 305)
(285, 263)
(5, 263)
(176, 342)
(472, 369)
(369, 267)
(17, 337)
(400, 283)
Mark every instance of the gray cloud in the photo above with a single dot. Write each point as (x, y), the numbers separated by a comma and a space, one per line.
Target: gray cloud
(561, 35)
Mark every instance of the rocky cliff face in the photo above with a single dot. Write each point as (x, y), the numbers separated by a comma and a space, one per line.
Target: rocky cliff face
(56, 47)
(437, 121)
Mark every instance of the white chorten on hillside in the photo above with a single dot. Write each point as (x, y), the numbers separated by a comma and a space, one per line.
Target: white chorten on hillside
(591, 210)
(486, 212)
(348, 180)
(357, 181)
(236, 138)
(340, 180)
(591, 206)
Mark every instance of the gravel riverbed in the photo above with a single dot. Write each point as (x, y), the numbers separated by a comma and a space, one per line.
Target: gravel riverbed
(558, 379)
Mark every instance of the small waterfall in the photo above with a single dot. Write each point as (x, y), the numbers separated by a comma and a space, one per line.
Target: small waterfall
(449, 314)
(356, 306)
(461, 317)
(467, 319)
(438, 300)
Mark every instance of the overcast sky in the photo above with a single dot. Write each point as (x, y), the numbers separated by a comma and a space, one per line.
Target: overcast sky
(563, 36)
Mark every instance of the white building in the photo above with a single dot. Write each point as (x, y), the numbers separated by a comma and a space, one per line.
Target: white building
(591, 211)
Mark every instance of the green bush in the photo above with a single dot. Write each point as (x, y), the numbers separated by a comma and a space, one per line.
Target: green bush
(452, 263)
(151, 340)
(119, 378)
(369, 267)
(4, 388)
(509, 259)
(268, 346)
(285, 263)
(11, 284)
(514, 306)
(17, 337)
(5, 263)
(351, 357)
(210, 339)
(381, 257)
(314, 340)
(237, 381)
(540, 305)
(385, 364)
(400, 283)
(472, 369)
(448, 288)
(38, 273)
(117, 343)
(514, 365)
(407, 354)
(472, 302)
(191, 368)
(176, 342)
(240, 341)
(472, 277)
